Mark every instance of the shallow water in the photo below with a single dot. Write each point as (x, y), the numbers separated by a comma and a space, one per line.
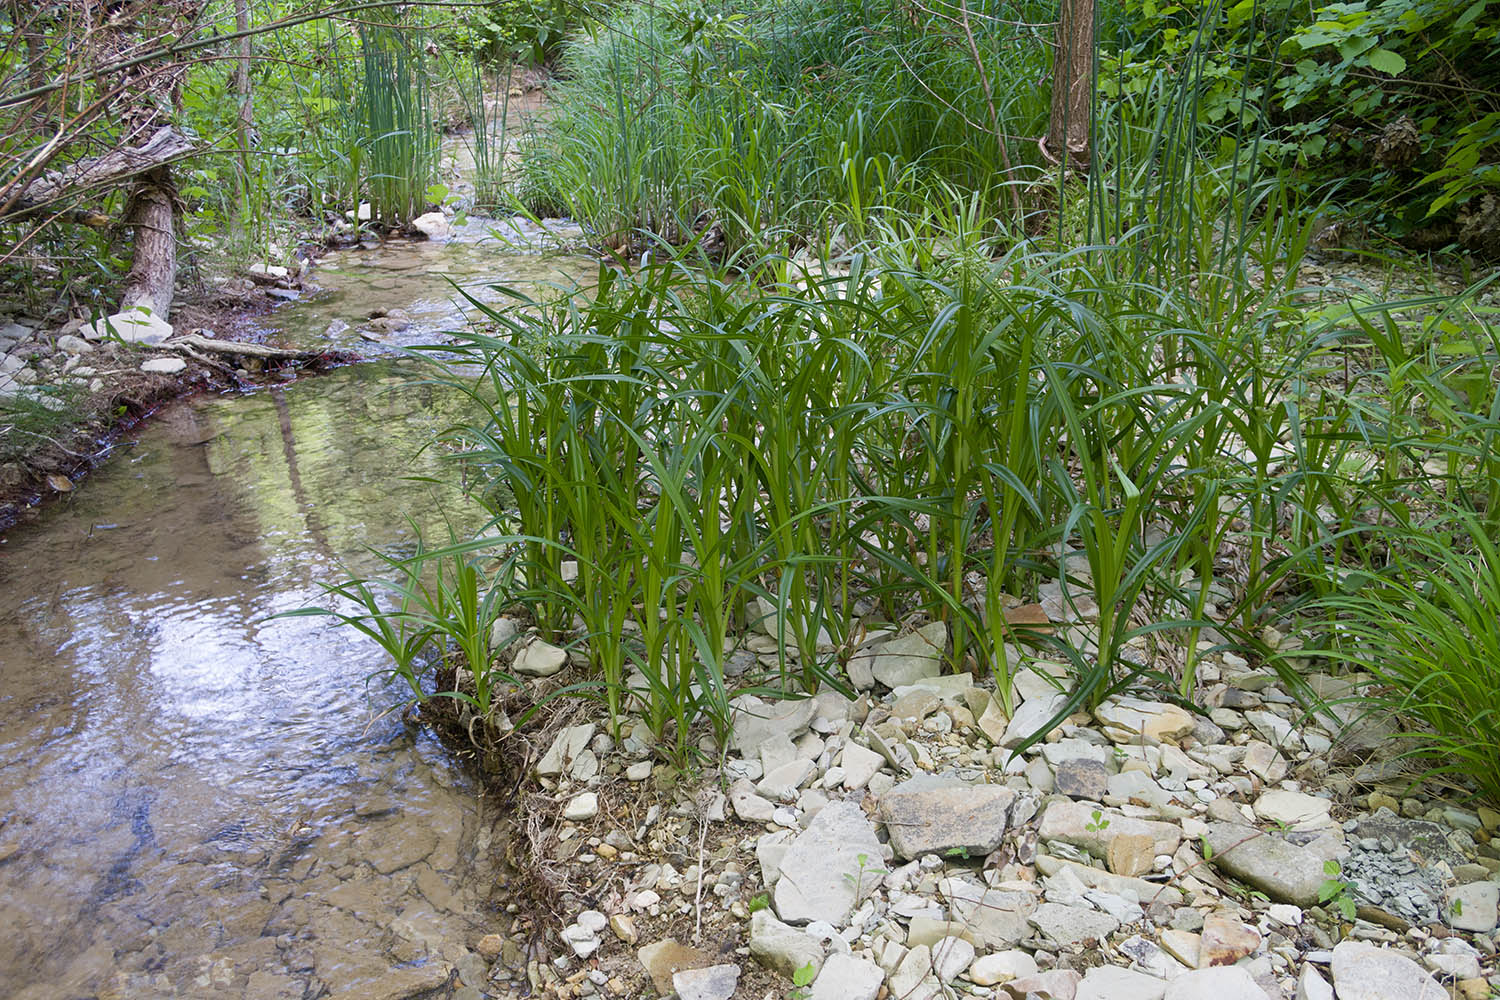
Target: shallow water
(435, 283)
(195, 801)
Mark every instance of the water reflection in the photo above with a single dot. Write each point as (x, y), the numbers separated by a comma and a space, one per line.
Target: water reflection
(193, 794)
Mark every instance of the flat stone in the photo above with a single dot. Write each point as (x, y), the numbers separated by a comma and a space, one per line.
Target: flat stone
(1081, 778)
(1296, 810)
(663, 959)
(845, 977)
(782, 948)
(399, 984)
(748, 804)
(913, 978)
(929, 930)
(163, 366)
(1185, 946)
(906, 659)
(581, 807)
(1001, 967)
(712, 982)
(1031, 716)
(134, 326)
(937, 815)
(539, 659)
(1130, 720)
(1137, 889)
(1362, 971)
(1057, 984)
(565, 748)
(997, 918)
(1223, 983)
(1075, 823)
(951, 956)
(1072, 925)
(754, 721)
(1472, 907)
(1108, 982)
(782, 783)
(1311, 985)
(1225, 941)
(73, 345)
(400, 849)
(1285, 872)
(830, 867)
(860, 764)
(1130, 854)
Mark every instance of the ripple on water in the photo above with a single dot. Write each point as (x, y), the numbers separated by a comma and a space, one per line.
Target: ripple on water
(190, 788)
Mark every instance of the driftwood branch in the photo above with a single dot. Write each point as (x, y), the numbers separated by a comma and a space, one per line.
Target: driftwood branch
(109, 170)
(191, 342)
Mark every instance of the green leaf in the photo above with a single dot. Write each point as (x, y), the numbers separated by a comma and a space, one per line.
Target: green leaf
(1469, 16)
(1383, 60)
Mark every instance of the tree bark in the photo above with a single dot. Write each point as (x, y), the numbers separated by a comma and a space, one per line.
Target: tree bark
(1068, 126)
(101, 172)
(152, 209)
(152, 217)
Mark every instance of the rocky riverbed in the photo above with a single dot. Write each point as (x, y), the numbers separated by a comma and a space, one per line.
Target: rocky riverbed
(892, 847)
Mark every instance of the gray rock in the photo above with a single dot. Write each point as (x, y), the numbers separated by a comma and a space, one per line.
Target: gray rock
(1225, 982)
(1109, 982)
(1294, 809)
(904, 660)
(859, 764)
(73, 345)
(1285, 872)
(951, 956)
(134, 326)
(935, 815)
(1001, 967)
(1363, 972)
(913, 978)
(780, 947)
(997, 918)
(830, 867)
(1081, 778)
(748, 805)
(539, 659)
(1311, 985)
(755, 721)
(565, 749)
(1033, 714)
(1127, 886)
(163, 366)
(1472, 907)
(1132, 720)
(845, 977)
(581, 807)
(715, 982)
(1071, 925)
(1076, 823)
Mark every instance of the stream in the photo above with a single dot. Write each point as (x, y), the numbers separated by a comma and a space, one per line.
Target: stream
(196, 801)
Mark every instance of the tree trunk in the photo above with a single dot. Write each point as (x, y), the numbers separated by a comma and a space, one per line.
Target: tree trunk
(152, 217)
(1067, 141)
(151, 212)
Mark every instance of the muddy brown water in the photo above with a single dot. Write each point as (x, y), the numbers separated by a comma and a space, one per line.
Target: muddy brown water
(196, 801)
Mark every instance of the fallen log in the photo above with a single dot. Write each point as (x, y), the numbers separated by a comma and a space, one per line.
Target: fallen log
(109, 170)
(191, 341)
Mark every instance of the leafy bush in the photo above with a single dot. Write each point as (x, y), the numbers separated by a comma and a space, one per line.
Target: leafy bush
(1393, 103)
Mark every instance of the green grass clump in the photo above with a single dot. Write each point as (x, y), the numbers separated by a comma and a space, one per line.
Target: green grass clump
(773, 117)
